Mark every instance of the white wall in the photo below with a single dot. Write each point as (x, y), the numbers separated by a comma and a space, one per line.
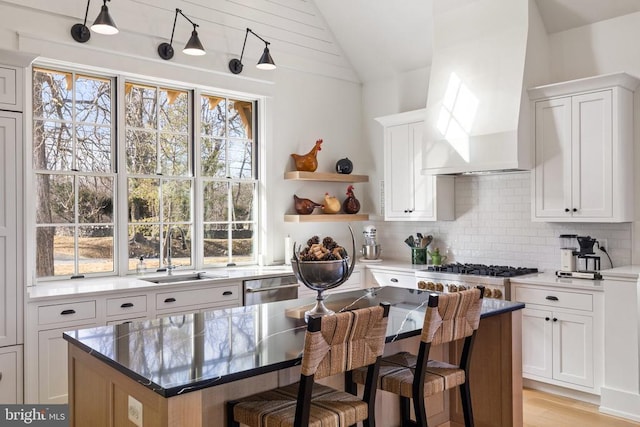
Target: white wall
(313, 94)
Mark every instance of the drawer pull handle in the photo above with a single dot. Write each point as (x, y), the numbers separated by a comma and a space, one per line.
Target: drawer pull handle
(552, 298)
(0, 376)
(170, 300)
(66, 312)
(126, 305)
(226, 293)
(555, 319)
(394, 280)
(547, 319)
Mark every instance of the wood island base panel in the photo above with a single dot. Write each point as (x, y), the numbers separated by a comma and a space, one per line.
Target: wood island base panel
(179, 371)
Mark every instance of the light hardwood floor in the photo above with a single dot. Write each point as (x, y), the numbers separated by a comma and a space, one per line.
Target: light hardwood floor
(547, 410)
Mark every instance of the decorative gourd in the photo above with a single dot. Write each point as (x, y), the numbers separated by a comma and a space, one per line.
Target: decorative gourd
(308, 162)
(304, 206)
(331, 204)
(351, 205)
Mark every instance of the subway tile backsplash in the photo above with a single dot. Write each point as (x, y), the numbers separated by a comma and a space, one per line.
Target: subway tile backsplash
(493, 226)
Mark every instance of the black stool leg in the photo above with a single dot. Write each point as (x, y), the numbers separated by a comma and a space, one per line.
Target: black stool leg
(231, 422)
(465, 396)
(420, 412)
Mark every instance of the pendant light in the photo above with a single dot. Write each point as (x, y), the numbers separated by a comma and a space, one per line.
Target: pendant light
(265, 62)
(104, 24)
(193, 46)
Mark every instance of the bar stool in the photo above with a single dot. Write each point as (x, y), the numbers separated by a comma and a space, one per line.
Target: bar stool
(449, 317)
(333, 344)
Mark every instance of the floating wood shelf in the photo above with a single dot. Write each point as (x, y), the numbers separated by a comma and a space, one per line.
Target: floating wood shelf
(323, 176)
(326, 218)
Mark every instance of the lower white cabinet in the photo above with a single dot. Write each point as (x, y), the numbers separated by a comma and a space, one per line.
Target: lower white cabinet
(46, 321)
(393, 278)
(562, 337)
(11, 375)
(52, 365)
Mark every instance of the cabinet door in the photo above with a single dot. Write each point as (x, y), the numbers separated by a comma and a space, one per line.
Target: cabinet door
(553, 158)
(10, 126)
(52, 365)
(423, 185)
(398, 172)
(573, 348)
(11, 375)
(536, 342)
(592, 154)
(10, 86)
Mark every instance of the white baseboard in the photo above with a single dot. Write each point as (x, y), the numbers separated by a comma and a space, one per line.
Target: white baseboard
(562, 391)
(620, 403)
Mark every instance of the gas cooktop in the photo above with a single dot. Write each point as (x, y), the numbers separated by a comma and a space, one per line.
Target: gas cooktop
(482, 270)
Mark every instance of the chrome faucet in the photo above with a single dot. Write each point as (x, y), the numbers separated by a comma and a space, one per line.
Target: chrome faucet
(170, 266)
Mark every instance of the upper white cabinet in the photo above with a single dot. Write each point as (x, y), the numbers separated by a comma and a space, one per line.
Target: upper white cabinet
(584, 150)
(10, 202)
(409, 195)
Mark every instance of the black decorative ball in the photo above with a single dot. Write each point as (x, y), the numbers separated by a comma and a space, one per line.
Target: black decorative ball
(344, 166)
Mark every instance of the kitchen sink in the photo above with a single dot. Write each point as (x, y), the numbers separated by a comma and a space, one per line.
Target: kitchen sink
(192, 277)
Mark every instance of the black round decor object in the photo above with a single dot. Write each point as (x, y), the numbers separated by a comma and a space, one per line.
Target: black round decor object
(344, 166)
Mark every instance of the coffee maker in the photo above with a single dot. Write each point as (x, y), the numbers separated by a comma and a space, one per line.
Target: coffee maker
(579, 262)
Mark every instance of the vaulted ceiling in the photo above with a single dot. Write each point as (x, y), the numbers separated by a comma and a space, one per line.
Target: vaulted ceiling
(382, 38)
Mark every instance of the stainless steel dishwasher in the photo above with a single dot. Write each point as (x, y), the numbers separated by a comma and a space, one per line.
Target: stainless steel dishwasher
(270, 289)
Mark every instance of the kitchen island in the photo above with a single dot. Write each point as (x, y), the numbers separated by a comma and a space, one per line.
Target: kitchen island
(180, 370)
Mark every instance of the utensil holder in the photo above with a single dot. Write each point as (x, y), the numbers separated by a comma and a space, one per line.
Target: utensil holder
(418, 255)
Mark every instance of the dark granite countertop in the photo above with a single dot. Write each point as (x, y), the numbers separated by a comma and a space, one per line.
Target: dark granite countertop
(178, 354)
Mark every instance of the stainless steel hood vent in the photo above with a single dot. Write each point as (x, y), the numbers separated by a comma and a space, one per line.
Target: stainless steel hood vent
(486, 53)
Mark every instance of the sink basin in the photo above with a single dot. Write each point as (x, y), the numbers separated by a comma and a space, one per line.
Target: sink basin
(193, 277)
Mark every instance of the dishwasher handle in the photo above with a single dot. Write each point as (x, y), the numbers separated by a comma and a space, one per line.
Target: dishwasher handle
(271, 288)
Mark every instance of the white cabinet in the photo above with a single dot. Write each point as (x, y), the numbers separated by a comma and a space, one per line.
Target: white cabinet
(11, 375)
(46, 370)
(188, 301)
(584, 150)
(10, 225)
(383, 277)
(11, 86)
(562, 337)
(409, 195)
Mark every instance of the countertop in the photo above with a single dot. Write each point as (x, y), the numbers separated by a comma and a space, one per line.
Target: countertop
(625, 272)
(178, 354)
(550, 279)
(102, 285)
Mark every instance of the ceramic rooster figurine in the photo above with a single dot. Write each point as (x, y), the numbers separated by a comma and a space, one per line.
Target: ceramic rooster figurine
(351, 205)
(331, 204)
(308, 162)
(304, 206)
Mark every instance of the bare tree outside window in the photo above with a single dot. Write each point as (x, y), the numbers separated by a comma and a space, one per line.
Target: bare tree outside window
(227, 152)
(74, 173)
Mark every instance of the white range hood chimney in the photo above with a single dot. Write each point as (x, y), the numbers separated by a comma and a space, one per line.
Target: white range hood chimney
(477, 106)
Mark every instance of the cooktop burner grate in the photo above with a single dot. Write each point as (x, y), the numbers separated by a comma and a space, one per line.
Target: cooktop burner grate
(482, 270)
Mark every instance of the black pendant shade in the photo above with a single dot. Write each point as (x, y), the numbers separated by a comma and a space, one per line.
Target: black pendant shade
(193, 46)
(104, 24)
(265, 62)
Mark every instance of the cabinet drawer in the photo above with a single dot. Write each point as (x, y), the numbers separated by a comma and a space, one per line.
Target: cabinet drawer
(126, 305)
(554, 298)
(222, 295)
(389, 278)
(62, 313)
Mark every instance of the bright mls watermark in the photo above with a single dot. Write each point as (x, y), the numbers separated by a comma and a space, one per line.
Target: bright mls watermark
(34, 415)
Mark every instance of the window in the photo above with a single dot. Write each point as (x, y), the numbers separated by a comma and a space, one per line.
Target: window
(159, 175)
(80, 186)
(227, 150)
(74, 173)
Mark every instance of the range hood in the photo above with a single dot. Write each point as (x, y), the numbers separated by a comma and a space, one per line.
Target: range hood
(486, 53)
